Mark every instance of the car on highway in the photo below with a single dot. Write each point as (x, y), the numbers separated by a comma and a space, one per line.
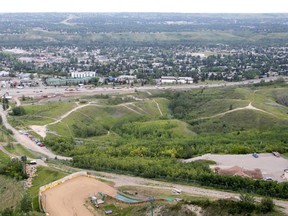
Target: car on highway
(268, 179)
(255, 155)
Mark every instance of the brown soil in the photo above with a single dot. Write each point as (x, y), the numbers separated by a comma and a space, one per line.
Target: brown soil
(68, 199)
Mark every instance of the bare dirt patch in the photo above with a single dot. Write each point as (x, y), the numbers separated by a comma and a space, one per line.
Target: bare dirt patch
(69, 198)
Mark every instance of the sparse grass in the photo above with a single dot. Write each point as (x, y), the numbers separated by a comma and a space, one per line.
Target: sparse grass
(106, 116)
(44, 176)
(11, 191)
(4, 159)
(20, 150)
(145, 192)
(163, 104)
(42, 114)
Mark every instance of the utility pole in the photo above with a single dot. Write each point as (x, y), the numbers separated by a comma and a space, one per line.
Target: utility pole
(151, 199)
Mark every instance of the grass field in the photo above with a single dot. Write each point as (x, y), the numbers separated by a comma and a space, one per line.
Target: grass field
(41, 114)
(4, 159)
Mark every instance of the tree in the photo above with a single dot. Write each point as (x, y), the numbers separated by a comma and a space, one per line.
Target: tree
(247, 202)
(94, 81)
(5, 103)
(18, 111)
(26, 203)
(31, 76)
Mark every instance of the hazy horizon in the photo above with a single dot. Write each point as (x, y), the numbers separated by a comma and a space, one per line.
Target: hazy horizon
(168, 6)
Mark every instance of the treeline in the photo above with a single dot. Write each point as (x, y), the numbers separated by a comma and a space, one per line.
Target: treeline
(164, 168)
(247, 205)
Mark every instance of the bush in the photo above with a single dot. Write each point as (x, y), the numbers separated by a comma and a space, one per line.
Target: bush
(18, 111)
(26, 203)
(266, 205)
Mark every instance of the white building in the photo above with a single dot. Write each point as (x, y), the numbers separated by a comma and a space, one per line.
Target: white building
(185, 80)
(173, 79)
(4, 73)
(82, 74)
(168, 79)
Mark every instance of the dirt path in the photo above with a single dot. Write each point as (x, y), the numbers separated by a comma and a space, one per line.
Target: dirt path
(158, 107)
(5, 151)
(248, 107)
(139, 108)
(41, 129)
(131, 109)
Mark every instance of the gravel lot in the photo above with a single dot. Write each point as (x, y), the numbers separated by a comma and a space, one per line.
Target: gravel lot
(270, 165)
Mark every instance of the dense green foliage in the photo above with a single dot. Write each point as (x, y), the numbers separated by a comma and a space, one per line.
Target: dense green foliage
(246, 206)
(18, 111)
(14, 169)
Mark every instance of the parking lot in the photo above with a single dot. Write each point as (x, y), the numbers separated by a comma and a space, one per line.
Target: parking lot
(270, 165)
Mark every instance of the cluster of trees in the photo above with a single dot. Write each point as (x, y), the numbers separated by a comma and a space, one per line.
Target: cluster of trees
(182, 103)
(150, 152)
(171, 169)
(14, 169)
(5, 103)
(149, 147)
(245, 206)
(88, 130)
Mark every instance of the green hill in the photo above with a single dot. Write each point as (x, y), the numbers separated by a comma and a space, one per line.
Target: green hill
(147, 137)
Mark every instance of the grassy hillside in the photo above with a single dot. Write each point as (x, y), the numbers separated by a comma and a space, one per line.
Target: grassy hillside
(147, 137)
(41, 114)
(11, 192)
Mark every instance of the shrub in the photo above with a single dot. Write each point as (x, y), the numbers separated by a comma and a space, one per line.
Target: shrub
(266, 205)
(18, 111)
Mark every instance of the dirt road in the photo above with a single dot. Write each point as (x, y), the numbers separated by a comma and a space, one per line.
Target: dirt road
(122, 180)
(25, 141)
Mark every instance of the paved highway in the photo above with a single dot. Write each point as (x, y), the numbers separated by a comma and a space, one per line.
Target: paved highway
(51, 90)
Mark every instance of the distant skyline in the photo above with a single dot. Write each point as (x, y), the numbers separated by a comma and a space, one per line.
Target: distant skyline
(181, 6)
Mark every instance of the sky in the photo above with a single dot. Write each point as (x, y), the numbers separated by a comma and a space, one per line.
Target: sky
(182, 6)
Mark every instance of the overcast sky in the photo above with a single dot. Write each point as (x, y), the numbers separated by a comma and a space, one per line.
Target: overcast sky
(187, 6)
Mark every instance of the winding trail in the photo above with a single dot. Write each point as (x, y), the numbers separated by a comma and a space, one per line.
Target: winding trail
(41, 129)
(248, 107)
(158, 107)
